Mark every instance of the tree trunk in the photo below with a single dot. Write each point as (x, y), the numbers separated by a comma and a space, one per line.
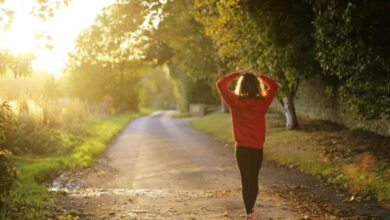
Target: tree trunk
(290, 114)
(122, 93)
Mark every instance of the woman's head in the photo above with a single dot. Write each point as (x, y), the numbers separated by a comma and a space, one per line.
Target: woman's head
(248, 86)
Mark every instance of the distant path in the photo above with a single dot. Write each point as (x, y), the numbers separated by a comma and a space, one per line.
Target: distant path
(159, 167)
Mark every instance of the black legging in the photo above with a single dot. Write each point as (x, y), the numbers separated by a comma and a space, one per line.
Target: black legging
(249, 162)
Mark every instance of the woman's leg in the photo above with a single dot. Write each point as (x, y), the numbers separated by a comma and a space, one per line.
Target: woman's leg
(249, 162)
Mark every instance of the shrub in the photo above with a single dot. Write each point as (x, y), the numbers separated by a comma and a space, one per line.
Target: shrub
(351, 40)
(42, 141)
(7, 124)
(7, 176)
(35, 125)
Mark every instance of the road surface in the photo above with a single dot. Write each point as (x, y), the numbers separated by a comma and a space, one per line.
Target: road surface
(159, 167)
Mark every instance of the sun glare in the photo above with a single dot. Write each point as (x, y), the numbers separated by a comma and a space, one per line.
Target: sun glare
(51, 40)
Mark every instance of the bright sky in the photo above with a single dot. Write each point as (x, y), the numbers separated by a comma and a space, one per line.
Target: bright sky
(63, 28)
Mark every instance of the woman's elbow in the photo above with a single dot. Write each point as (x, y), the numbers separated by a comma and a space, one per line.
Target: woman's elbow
(275, 85)
(219, 84)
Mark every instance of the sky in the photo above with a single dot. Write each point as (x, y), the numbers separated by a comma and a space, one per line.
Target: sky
(63, 28)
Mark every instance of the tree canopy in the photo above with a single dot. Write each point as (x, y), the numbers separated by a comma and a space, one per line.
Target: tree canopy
(341, 43)
(273, 36)
(352, 44)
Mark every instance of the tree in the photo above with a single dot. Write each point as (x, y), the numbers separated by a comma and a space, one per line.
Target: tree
(153, 33)
(106, 60)
(273, 36)
(179, 42)
(17, 65)
(42, 9)
(352, 45)
(158, 89)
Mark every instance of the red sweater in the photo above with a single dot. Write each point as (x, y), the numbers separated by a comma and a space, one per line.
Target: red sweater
(248, 114)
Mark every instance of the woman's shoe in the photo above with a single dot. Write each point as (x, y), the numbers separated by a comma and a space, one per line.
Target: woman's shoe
(251, 216)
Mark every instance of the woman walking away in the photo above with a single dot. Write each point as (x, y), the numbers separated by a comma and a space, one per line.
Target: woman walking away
(248, 106)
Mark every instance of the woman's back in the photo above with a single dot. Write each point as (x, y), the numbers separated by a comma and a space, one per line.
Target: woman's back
(248, 119)
(248, 114)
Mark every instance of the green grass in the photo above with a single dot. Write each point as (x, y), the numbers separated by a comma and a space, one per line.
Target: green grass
(296, 148)
(217, 124)
(29, 195)
(181, 114)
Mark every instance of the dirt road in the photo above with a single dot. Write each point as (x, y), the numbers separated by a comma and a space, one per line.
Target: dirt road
(159, 167)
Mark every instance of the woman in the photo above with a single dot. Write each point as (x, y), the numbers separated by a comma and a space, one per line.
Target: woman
(248, 106)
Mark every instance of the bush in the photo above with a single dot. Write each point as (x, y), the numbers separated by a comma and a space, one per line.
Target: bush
(42, 141)
(28, 136)
(35, 125)
(351, 39)
(7, 176)
(7, 124)
(7, 171)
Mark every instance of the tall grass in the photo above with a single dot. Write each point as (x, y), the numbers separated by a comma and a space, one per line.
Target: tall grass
(40, 111)
(35, 123)
(47, 134)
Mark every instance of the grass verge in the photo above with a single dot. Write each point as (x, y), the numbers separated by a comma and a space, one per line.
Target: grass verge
(181, 114)
(333, 153)
(29, 196)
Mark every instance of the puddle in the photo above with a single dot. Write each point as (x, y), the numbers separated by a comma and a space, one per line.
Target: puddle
(152, 193)
(96, 192)
(77, 188)
(60, 185)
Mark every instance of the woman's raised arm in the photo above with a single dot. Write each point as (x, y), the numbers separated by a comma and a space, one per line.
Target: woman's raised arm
(271, 91)
(223, 90)
(272, 87)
